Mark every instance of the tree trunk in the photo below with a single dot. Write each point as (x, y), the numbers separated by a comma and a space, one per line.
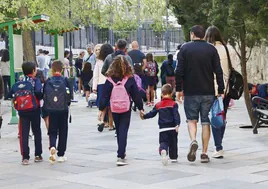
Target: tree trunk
(244, 73)
(28, 49)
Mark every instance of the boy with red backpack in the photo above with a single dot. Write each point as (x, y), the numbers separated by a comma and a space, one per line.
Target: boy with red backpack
(26, 96)
(119, 87)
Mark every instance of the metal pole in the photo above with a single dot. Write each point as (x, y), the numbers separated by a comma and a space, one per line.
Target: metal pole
(56, 46)
(139, 23)
(14, 119)
(70, 35)
(167, 31)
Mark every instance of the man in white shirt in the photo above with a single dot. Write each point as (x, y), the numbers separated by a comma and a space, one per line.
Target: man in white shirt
(90, 57)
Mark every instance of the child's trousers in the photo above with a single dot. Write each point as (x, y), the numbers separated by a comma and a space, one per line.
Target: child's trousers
(25, 122)
(168, 141)
(58, 125)
(122, 122)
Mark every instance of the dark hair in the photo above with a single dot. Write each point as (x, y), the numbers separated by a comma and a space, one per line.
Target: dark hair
(66, 53)
(198, 31)
(170, 58)
(5, 55)
(121, 44)
(46, 52)
(40, 75)
(213, 34)
(120, 68)
(166, 89)
(105, 50)
(87, 68)
(250, 86)
(57, 66)
(149, 57)
(28, 67)
(40, 51)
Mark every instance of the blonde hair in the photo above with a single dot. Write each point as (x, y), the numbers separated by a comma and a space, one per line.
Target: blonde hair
(97, 50)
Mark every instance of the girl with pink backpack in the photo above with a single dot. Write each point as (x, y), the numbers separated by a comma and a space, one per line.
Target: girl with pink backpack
(120, 88)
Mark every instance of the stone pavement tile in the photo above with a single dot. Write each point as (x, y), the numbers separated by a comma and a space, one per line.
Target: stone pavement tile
(15, 178)
(104, 182)
(187, 181)
(254, 169)
(75, 185)
(151, 176)
(234, 184)
(263, 172)
(251, 178)
(74, 169)
(36, 184)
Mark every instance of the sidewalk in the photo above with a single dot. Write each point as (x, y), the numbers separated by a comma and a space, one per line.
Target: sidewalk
(92, 156)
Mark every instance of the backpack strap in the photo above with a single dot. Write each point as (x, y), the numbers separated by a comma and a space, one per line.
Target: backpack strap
(124, 80)
(111, 80)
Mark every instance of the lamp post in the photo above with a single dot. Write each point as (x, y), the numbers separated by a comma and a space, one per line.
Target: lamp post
(167, 31)
(70, 36)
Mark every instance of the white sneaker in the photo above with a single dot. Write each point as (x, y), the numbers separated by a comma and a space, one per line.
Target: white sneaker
(164, 157)
(52, 157)
(32, 137)
(62, 159)
(174, 161)
(121, 162)
(218, 154)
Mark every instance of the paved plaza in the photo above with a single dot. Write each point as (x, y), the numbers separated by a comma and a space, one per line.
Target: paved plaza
(92, 157)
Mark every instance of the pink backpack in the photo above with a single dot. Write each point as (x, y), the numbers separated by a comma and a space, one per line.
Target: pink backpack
(120, 102)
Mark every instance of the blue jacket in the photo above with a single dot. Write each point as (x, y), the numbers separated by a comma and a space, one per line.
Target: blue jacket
(263, 90)
(38, 92)
(131, 88)
(168, 113)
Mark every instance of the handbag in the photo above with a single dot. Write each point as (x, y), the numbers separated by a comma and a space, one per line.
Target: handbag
(218, 118)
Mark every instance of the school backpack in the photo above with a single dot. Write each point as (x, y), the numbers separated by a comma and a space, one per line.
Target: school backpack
(56, 95)
(24, 99)
(170, 70)
(235, 85)
(119, 100)
(151, 69)
(138, 82)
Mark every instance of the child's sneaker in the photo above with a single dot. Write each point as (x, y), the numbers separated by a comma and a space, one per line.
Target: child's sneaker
(25, 162)
(164, 157)
(52, 157)
(62, 159)
(121, 162)
(38, 159)
(174, 161)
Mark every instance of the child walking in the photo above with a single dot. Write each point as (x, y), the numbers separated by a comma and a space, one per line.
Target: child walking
(57, 99)
(87, 75)
(119, 87)
(169, 122)
(26, 96)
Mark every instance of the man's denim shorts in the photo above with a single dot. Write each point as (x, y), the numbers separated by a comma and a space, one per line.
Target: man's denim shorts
(198, 104)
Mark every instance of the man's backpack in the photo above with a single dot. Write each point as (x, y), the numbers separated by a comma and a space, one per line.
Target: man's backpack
(170, 70)
(24, 99)
(235, 85)
(120, 101)
(151, 69)
(56, 95)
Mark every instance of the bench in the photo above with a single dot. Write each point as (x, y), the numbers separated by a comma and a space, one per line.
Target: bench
(260, 110)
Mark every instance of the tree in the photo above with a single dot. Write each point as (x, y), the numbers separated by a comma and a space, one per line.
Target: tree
(243, 22)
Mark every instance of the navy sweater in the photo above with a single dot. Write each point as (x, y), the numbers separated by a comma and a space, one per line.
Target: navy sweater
(131, 88)
(197, 63)
(168, 113)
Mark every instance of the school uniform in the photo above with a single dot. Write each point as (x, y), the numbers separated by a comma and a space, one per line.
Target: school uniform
(30, 119)
(169, 118)
(121, 120)
(58, 124)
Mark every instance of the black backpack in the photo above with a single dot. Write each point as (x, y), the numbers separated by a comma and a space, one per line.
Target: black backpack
(56, 95)
(170, 70)
(235, 85)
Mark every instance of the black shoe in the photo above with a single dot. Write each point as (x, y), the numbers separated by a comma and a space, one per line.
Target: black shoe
(134, 108)
(100, 127)
(1, 121)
